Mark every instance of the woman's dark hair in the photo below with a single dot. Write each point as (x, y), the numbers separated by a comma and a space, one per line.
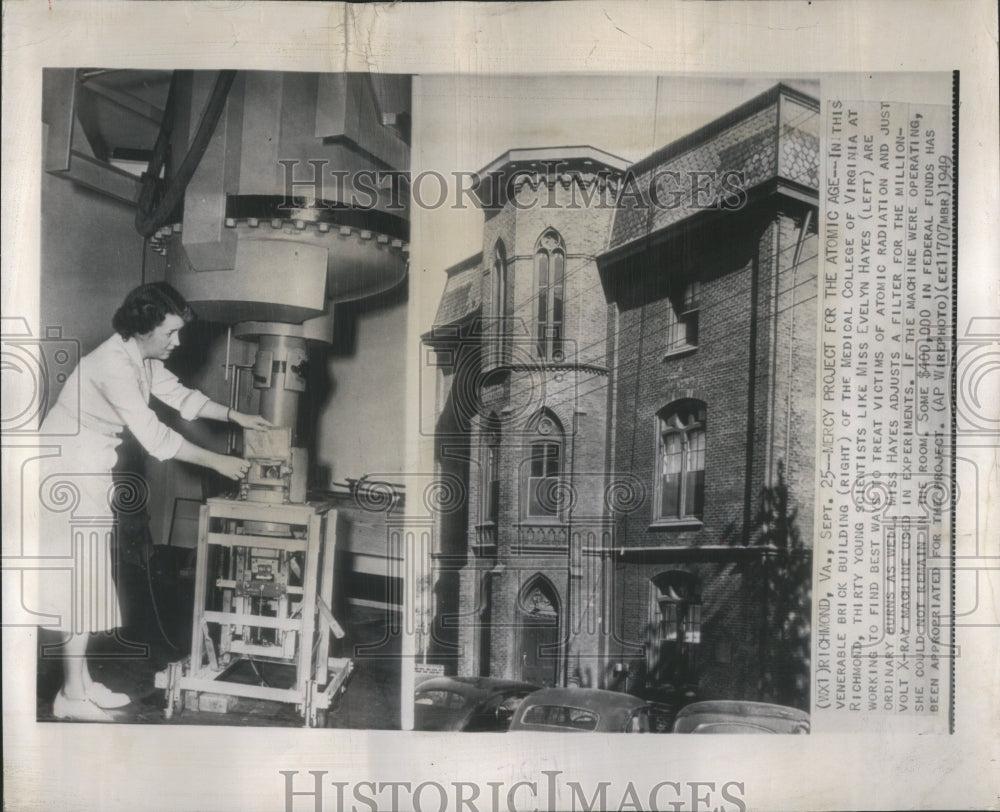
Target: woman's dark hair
(146, 307)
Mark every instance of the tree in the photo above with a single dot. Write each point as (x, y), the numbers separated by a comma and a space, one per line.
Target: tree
(785, 578)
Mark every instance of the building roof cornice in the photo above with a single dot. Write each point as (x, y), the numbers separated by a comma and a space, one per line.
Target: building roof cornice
(492, 183)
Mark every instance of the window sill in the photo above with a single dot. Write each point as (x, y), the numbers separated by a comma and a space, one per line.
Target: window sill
(671, 354)
(541, 522)
(677, 524)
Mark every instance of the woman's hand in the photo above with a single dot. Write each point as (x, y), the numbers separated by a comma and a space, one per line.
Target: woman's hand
(249, 421)
(231, 467)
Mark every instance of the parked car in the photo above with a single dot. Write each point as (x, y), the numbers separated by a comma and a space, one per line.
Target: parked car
(732, 716)
(582, 709)
(664, 702)
(467, 703)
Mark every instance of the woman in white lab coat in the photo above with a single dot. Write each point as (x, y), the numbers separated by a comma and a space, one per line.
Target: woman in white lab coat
(108, 391)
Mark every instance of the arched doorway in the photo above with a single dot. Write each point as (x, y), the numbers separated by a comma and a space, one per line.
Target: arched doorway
(538, 632)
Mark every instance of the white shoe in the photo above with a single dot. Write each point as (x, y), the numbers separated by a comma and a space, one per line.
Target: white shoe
(78, 710)
(102, 696)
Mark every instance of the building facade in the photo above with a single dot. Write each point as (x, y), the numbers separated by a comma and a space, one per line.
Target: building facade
(626, 388)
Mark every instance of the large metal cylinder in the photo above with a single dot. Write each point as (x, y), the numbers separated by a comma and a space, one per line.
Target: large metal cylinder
(280, 374)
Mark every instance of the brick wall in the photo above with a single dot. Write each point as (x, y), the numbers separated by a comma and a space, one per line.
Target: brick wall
(794, 432)
(717, 372)
(753, 368)
(756, 374)
(575, 396)
(727, 660)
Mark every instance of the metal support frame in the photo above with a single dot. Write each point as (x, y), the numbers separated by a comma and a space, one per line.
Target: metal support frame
(303, 619)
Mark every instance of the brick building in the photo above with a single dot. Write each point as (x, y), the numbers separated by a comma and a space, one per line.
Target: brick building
(626, 389)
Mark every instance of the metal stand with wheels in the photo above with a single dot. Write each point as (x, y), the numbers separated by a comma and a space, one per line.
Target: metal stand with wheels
(263, 594)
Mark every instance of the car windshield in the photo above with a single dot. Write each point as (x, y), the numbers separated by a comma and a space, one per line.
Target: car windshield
(561, 716)
(495, 714)
(440, 699)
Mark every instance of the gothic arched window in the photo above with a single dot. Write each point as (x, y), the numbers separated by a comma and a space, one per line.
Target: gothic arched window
(543, 468)
(550, 273)
(500, 309)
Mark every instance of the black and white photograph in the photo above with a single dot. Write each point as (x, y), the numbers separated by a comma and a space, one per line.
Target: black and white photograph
(392, 392)
(198, 249)
(625, 396)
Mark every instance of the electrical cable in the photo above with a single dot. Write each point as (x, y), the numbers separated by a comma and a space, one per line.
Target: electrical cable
(156, 611)
(579, 296)
(734, 331)
(259, 672)
(157, 200)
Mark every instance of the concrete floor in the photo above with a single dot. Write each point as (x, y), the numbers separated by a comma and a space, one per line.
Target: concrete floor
(129, 661)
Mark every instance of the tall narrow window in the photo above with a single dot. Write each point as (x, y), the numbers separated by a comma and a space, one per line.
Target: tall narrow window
(491, 470)
(501, 304)
(680, 483)
(550, 272)
(674, 629)
(543, 469)
(682, 320)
